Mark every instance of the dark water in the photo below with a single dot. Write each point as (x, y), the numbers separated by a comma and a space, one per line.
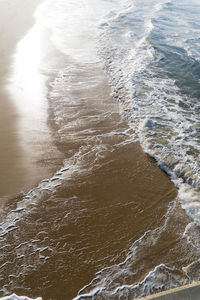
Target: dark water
(109, 224)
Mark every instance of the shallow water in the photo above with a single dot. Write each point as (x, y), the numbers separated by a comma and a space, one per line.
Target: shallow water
(108, 224)
(90, 213)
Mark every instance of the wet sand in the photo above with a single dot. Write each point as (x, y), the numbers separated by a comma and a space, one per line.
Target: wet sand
(19, 171)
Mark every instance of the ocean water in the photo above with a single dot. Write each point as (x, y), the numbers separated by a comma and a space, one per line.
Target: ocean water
(153, 62)
(149, 51)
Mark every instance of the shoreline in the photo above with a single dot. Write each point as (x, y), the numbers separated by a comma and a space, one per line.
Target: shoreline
(108, 196)
(109, 179)
(124, 173)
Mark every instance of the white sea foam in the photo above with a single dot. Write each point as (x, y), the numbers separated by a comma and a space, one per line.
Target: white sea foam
(74, 26)
(110, 281)
(15, 297)
(157, 279)
(43, 190)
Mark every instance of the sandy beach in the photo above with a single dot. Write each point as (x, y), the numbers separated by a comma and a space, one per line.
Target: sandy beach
(96, 197)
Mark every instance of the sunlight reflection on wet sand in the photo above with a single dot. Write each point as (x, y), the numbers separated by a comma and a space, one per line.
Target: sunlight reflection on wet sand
(25, 140)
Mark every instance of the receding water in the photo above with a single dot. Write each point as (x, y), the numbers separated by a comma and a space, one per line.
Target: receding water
(104, 92)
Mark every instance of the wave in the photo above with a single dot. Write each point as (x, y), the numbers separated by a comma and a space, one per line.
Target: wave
(164, 116)
(156, 84)
(116, 280)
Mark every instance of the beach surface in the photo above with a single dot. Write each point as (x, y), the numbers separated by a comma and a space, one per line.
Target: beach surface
(23, 156)
(100, 213)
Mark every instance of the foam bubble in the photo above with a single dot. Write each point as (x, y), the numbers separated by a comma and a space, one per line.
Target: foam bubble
(15, 297)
